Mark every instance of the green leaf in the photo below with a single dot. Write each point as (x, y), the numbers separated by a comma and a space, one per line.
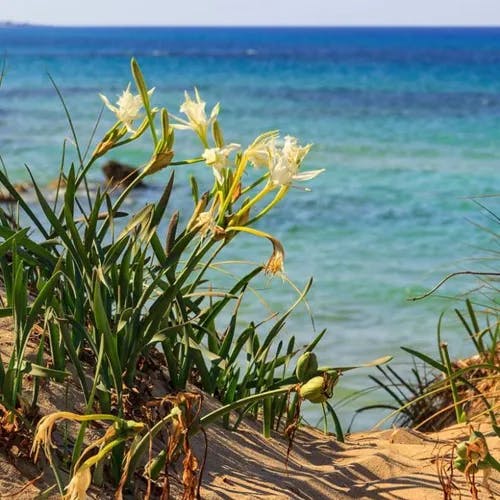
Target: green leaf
(315, 342)
(376, 362)
(6, 246)
(4, 180)
(79, 257)
(216, 308)
(110, 340)
(70, 121)
(90, 235)
(43, 371)
(162, 203)
(336, 422)
(426, 359)
(281, 322)
(5, 312)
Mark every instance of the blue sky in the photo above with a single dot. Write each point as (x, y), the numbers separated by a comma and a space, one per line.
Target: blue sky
(253, 12)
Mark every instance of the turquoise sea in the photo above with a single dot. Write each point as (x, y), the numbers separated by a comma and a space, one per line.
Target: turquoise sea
(406, 123)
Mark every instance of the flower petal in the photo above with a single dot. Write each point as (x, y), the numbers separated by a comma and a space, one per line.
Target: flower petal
(218, 175)
(179, 126)
(107, 103)
(215, 112)
(306, 176)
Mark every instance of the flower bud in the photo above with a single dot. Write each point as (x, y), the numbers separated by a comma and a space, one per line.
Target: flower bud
(159, 160)
(307, 366)
(110, 140)
(217, 134)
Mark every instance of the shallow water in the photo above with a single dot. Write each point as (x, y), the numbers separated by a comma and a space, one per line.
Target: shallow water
(405, 121)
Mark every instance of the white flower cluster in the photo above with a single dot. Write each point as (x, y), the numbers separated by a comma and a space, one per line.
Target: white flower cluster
(283, 161)
(282, 158)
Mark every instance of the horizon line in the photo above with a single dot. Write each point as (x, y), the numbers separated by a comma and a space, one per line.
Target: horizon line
(21, 24)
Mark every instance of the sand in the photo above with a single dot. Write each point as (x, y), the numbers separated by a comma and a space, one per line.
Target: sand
(389, 464)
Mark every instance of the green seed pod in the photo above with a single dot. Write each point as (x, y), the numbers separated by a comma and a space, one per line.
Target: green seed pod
(313, 390)
(473, 453)
(462, 450)
(318, 389)
(307, 366)
(477, 448)
(460, 464)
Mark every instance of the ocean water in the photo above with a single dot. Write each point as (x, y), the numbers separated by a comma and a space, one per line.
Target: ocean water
(406, 123)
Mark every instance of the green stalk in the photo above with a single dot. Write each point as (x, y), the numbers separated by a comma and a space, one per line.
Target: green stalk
(266, 190)
(267, 417)
(250, 230)
(186, 162)
(236, 179)
(460, 415)
(279, 196)
(220, 412)
(325, 422)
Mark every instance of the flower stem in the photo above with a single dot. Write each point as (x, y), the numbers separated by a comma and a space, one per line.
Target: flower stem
(236, 180)
(279, 196)
(266, 190)
(186, 162)
(250, 230)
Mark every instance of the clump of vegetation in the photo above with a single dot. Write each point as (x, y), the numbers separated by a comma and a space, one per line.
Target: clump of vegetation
(446, 392)
(99, 297)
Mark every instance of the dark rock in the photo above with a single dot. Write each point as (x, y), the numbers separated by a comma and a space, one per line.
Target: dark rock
(6, 197)
(119, 174)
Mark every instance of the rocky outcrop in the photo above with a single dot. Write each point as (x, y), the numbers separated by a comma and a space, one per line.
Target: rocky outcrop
(119, 174)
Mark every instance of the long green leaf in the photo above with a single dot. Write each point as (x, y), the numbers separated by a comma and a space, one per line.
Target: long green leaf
(41, 299)
(425, 359)
(6, 246)
(19, 199)
(43, 371)
(110, 340)
(162, 203)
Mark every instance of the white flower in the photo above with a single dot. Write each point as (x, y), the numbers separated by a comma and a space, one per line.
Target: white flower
(128, 107)
(258, 152)
(218, 159)
(196, 117)
(284, 162)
